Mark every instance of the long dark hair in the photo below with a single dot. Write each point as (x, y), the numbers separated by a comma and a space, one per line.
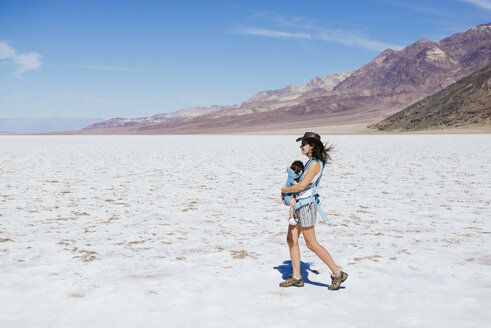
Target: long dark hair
(320, 150)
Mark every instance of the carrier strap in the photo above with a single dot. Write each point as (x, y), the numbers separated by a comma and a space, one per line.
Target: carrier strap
(309, 200)
(316, 183)
(315, 197)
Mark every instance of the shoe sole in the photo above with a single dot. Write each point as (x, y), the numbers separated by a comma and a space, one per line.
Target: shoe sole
(291, 286)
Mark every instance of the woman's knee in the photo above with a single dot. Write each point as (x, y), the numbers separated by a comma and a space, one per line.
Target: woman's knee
(291, 241)
(313, 245)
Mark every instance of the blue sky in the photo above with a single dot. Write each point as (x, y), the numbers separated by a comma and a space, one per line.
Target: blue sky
(96, 58)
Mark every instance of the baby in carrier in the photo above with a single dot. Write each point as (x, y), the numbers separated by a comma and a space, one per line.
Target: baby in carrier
(294, 173)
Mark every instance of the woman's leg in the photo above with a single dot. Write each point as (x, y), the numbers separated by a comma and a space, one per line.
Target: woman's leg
(291, 219)
(292, 211)
(321, 252)
(292, 240)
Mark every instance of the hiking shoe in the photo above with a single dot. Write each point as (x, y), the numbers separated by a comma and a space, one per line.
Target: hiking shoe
(337, 280)
(292, 282)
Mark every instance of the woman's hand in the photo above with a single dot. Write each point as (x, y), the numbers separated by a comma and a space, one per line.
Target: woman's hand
(283, 199)
(283, 196)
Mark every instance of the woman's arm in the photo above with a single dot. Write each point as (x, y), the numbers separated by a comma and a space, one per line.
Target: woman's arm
(312, 171)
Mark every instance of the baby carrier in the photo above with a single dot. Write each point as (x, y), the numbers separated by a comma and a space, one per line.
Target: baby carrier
(315, 196)
(289, 182)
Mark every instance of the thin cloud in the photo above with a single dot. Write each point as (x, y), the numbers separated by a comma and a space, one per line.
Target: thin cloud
(26, 62)
(486, 4)
(21, 62)
(273, 33)
(356, 41)
(418, 8)
(6, 51)
(282, 21)
(128, 69)
(341, 37)
(112, 68)
(310, 29)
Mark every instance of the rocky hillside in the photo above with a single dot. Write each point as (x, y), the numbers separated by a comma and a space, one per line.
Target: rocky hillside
(464, 103)
(290, 92)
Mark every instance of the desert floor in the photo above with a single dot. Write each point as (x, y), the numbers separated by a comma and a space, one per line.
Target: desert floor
(189, 231)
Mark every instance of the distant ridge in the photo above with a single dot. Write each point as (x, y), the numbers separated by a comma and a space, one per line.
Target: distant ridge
(260, 102)
(23, 125)
(464, 103)
(157, 118)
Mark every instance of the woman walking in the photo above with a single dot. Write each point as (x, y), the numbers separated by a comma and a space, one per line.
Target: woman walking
(306, 216)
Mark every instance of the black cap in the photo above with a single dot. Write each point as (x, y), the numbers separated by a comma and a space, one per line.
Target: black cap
(312, 135)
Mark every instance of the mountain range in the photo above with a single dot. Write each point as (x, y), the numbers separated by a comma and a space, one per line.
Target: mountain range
(386, 85)
(157, 118)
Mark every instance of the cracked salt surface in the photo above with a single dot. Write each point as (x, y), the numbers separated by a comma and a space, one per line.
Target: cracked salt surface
(188, 230)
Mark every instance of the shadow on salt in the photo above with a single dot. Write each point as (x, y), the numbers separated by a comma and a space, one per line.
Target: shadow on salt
(286, 269)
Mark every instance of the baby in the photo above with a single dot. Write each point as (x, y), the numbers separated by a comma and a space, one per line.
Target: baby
(294, 173)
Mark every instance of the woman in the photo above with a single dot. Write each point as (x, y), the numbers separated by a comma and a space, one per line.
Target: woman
(318, 155)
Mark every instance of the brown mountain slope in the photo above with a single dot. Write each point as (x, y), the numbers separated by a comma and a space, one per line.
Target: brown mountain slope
(464, 103)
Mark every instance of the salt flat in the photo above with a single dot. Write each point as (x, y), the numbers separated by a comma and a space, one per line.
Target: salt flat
(188, 231)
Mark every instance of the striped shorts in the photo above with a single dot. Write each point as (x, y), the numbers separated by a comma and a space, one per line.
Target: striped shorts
(306, 216)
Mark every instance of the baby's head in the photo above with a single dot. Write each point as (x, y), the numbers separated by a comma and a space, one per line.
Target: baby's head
(297, 167)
